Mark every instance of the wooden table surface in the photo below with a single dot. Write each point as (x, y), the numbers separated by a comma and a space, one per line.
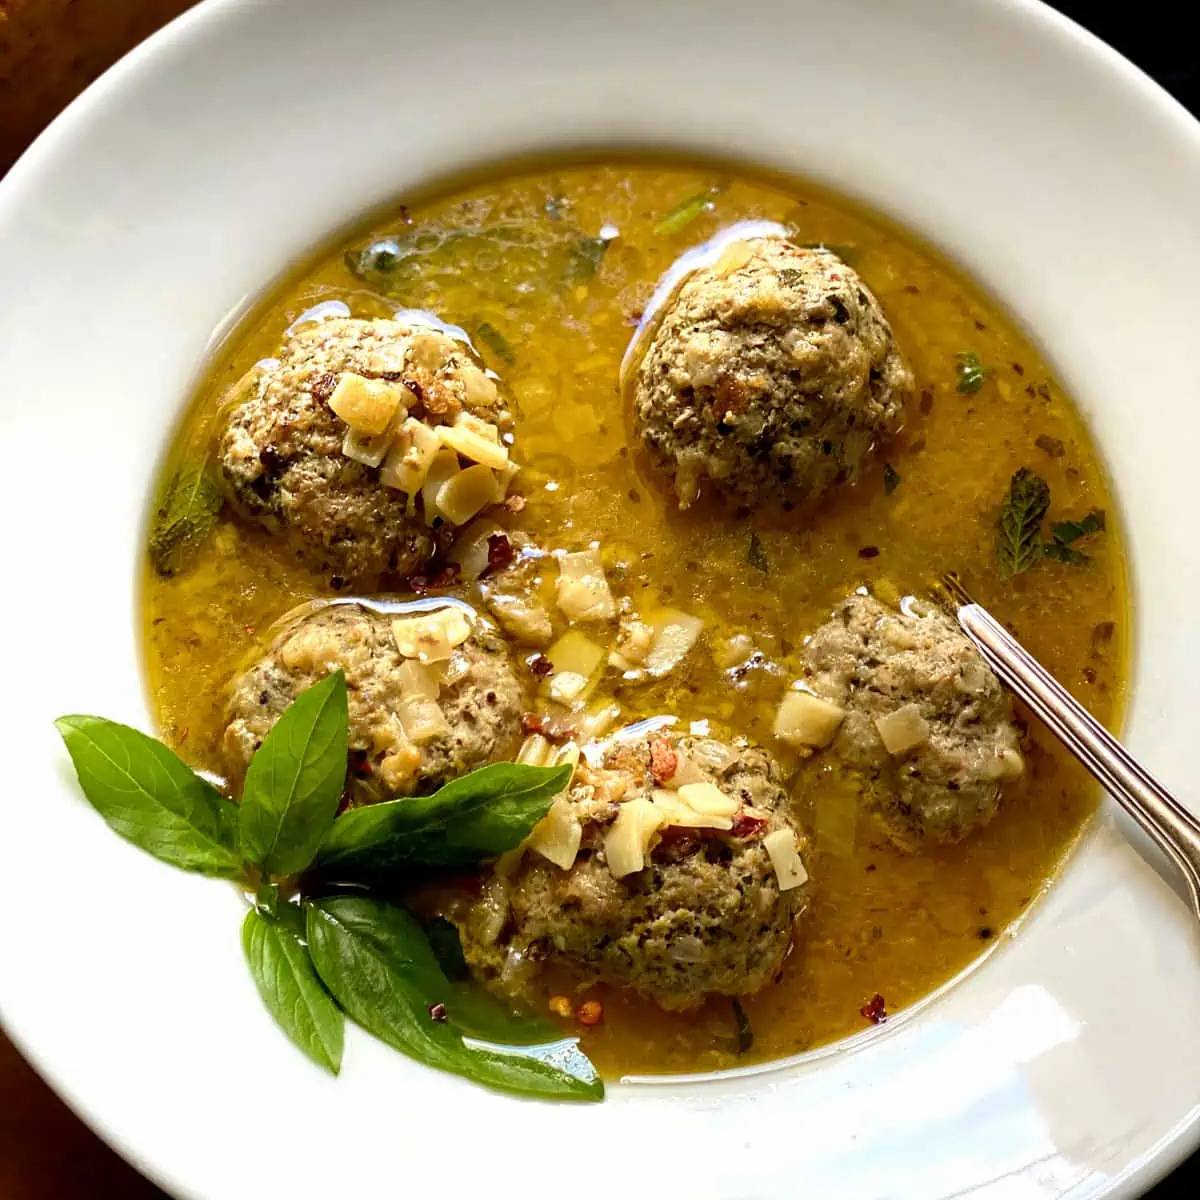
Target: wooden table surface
(49, 51)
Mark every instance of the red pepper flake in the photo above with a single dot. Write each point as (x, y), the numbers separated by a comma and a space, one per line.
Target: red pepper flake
(746, 825)
(437, 1012)
(515, 504)
(590, 1012)
(500, 553)
(875, 1010)
(540, 665)
(360, 765)
(322, 387)
(664, 762)
(444, 577)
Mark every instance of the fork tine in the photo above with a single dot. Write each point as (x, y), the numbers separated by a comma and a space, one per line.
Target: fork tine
(951, 587)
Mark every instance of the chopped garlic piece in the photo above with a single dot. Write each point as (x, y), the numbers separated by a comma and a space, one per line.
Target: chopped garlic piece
(631, 836)
(785, 859)
(414, 447)
(709, 799)
(583, 591)
(574, 654)
(398, 770)
(429, 350)
(676, 812)
(417, 680)
(686, 772)
(557, 835)
(902, 730)
(423, 719)
(441, 470)
(368, 406)
(431, 637)
(566, 686)
(370, 451)
(467, 493)
(535, 751)
(675, 633)
(479, 390)
(477, 447)
(805, 721)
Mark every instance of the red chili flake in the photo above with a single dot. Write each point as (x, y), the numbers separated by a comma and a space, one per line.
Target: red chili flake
(875, 1010)
(322, 387)
(444, 577)
(414, 387)
(746, 825)
(249, 629)
(360, 764)
(664, 762)
(500, 553)
(540, 665)
(437, 1012)
(590, 1012)
(515, 504)
(532, 723)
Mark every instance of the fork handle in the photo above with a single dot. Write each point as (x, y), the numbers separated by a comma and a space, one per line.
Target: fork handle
(1171, 826)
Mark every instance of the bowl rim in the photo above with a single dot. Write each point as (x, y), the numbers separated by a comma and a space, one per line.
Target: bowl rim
(41, 159)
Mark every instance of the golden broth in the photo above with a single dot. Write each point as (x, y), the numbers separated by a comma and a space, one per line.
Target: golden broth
(881, 922)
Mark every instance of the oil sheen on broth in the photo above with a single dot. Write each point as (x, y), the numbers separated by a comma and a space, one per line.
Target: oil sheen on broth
(549, 272)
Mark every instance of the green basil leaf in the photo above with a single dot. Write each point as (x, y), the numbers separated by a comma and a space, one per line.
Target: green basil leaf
(292, 991)
(151, 797)
(584, 258)
(478, 816)
(1018, 534)
(1067, 532)
(185, 515)
(295, 780)
(376, 961)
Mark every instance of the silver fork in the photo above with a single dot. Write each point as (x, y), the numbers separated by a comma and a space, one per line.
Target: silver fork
(1171, 826)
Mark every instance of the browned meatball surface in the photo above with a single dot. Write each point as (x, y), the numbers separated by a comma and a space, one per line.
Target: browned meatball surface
(770, 377)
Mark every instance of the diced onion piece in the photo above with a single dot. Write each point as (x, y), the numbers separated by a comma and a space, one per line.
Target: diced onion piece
(470, 549)
(574, 654)
(583, 591)
(733, 257)
(475, 446)
(456, 667)
(414, 447)
(431, 637)
(785, 859)
(676, 812)
(465, 494)
(368, 406)
(557, 835)
(566, 686)
(675, 633)
(686, 772)
(370, 451)
(598, 721)
(707, 798)
(535, 751)
(902, 730)
(479, 390)
(631, 835)
(807, 722)
(417, 680)
(423, 719)
(441, 470)
(521, 618)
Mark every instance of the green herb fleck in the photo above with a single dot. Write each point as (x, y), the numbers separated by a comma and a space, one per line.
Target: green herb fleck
(891, 479)
(685, 212)
(495, 341)
(584, 257)
(971, 372)
(1067, 532)
(756, 555)
(1063, 553)
(1019, 530)
(745, 1034)
(186, 513)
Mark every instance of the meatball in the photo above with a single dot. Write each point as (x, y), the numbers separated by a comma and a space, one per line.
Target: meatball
(288, 461)
(771, 375)
(928, 730)
(413, 727)
(706, 914)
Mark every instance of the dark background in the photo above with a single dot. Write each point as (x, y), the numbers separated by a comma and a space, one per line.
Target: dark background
(49, 50)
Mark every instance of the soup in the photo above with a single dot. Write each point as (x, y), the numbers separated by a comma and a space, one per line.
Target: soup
(550, 274)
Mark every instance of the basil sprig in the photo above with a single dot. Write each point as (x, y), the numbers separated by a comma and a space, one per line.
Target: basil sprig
(314, 961)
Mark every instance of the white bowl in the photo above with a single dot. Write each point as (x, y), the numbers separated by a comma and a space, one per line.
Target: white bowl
(146, 219)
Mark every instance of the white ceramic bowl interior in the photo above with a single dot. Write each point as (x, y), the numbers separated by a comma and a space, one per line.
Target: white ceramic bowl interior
(154, 212)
